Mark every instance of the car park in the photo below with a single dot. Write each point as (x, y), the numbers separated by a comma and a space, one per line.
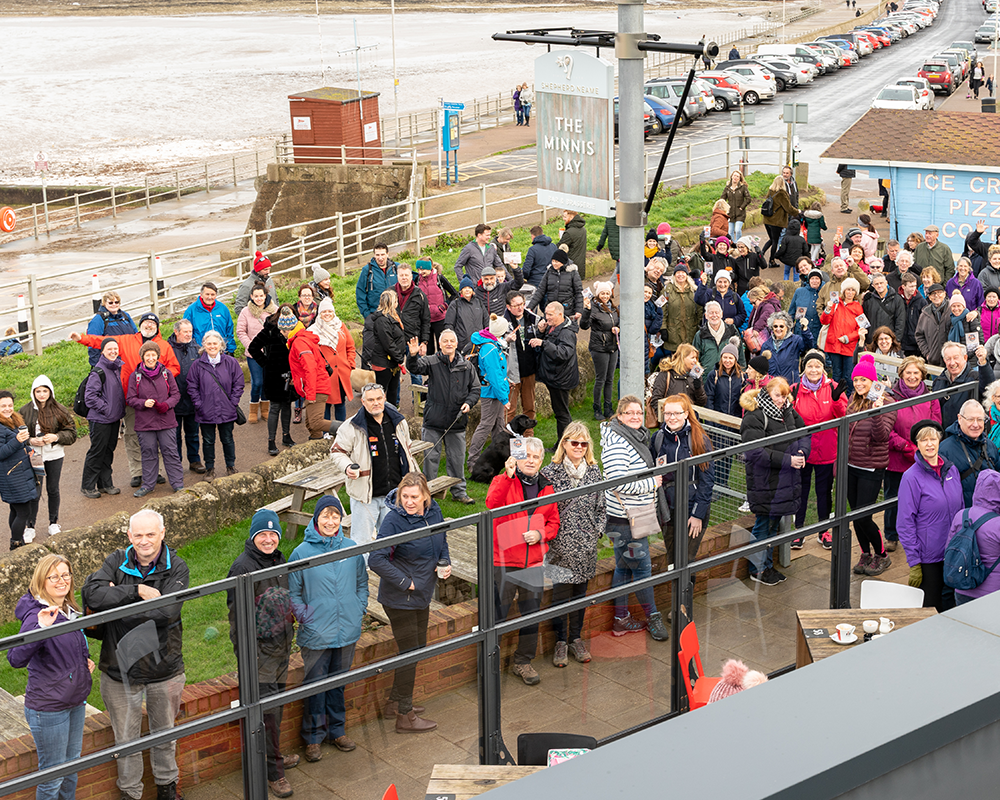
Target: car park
(900, 98)
(938, 73)
(671, 90)
(863, 47)
(756, 82)
(923, 86)
(793, 53)
(662, 113)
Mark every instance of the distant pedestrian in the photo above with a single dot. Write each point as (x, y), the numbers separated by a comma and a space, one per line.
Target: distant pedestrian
(734, 53)
(527, 100)
(518, 111)
(17, 478)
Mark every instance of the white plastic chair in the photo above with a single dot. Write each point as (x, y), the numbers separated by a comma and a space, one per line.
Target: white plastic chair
(722, 592)
(881, 594)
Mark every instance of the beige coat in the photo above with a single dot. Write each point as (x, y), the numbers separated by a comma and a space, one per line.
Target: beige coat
(351, 447)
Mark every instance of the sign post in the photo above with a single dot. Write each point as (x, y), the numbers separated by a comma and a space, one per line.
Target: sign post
(450, 135)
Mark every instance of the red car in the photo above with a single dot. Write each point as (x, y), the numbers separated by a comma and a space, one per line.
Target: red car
(870, 38)
(939, 76)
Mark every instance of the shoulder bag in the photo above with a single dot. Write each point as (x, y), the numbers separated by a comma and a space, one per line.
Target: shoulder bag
(641, 519)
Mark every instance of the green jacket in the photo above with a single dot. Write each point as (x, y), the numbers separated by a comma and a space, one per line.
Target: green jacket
(681, 316)
(610, 235)
(782, 209)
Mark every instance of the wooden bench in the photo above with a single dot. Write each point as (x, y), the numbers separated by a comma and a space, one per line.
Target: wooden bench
(440, 485)
(463, 550)
(419, 394)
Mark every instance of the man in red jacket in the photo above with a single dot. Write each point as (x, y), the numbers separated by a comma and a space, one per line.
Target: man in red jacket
(519, 544)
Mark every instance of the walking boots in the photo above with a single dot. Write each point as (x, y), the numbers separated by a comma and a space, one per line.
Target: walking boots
(254, 413)
(411, 723)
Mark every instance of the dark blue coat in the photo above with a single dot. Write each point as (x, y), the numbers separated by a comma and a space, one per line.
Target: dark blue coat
(963, 452)
(724, 392)
(538, 259)
(17, 478)
(186, 354)
(732, 306)
(677, 446)
(410, 562)
(105, 323)
(773, 485)
(106, 400)
(784, 361)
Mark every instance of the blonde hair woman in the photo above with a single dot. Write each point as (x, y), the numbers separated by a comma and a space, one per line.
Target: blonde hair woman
(679, 374)
(777, 220)
(572, 555)
(384, 344)
(58, 671)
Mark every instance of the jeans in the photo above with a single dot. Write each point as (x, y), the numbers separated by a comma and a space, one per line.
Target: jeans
(58, 738)
(565, 593)
(735, 230)
(225, 436)
(840, 371)
(528, 602)
(100, 456)
(454, 457)
(789, 271)
(187, 428)
(891, 490)
(256, 381)
(124, 705)
(520, 115)
(604, 379)
(632, 563)
(409, 629)
(824, 492)
(53, 471)
(526, 108)
(764, 528)
(366, 519)
(862, 490)
(325, 713)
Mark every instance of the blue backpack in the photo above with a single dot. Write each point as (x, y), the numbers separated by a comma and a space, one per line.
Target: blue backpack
(963, 567)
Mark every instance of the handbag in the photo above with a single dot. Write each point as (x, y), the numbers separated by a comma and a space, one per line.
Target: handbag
(642, 519)
(241, 418)
(821, 338)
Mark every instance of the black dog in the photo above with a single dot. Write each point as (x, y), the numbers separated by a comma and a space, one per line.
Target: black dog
(491, 462)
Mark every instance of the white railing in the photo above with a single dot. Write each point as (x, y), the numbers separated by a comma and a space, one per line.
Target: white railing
(165, 281)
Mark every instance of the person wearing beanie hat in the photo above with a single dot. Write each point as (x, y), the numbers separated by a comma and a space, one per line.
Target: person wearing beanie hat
(466, 314)
(261, 264)
(561, 283)
(261, 273)
(730, 350)
(805, 300)
(273, 630)
(844, 319)
(128, 352)
(868, 458)
(148, 347)
(491, 345)
(736, 677)
(332, 599)
(720, 290)
(375, 277)
(759, 364)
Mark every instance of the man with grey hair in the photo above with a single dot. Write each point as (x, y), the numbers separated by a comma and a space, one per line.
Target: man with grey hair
(558, 368)
(141, 656)
(185, 349)
(969, 448)
(713, 334)
(958, 370)
(520, 541)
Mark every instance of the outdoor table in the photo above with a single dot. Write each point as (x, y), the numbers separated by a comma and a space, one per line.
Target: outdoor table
(812, 637)
(462, 781)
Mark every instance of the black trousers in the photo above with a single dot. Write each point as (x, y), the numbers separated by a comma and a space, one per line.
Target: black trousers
(862, 490)
(53, 471)
(937, 594)
(272, 733)
(100, 456)
(773, 234)
(409, 629)
(560, 409)
(187, 429)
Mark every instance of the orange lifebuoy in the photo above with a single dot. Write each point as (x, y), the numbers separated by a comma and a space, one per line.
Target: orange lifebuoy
(8, 219)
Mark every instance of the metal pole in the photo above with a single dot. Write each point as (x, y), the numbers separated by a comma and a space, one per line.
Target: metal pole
(682, 592)
(490, 741)
(631, 183)
(482, 199)
(302, 257)
(207, 189)
(36, 328)
(341, 259)
(154, 296)
(235, 180)
(177, 180)
(252, 730)
(840, 560)
(147, 192)
(76, 208)
(416, 224)
(34, 215)
(395, 80)
(45, 202)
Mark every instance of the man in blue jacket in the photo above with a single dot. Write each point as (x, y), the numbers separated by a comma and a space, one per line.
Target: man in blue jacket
(206, 314)
(969, 448)
(491, 344)
(375, 277)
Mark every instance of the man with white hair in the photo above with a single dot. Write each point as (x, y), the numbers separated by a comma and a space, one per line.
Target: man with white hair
(714, 334)
(958, 370)
(558, 367)
(969, 448)
(733, 310)
(141, 655)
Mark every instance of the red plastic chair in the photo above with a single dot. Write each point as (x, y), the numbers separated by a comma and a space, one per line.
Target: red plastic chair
(698, 686)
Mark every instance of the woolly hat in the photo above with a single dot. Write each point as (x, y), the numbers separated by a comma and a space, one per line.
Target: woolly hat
(760, 364)
(320, 274)
(663, 229)
(992, 290)
(850, 283)
(815, 273)
(746, 241)
(723, 240)
(424, 264)
(149, 315)
(956, 297)
(561, 256)
(851, 232)
(731, 349)
(147, 347)
(326, 501)
(731, 682)
(264, 520)
(865, 368)
(681, 267)
(651, 235)
(925, 423)
(498, 326)
(466, 282)
(814, 355)
(723, 274)
(261, 262)
(603, 286)
(326, 304)
(106, 340)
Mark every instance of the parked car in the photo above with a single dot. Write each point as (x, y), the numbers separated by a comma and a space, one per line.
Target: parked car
(987, 33)
(901, 98)
(830, 50)
(938, 73)
(963, 59)
(756, 81)
(725, 89)
(662, 112)
(923, 86)
(647, 127)
(706, 90)
(793, 73)
(671, 90)
(955, 63)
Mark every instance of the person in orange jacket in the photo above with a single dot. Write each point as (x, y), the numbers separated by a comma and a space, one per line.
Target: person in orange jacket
(520, 541)
(128, 352)
(845, 318)
(310, 378)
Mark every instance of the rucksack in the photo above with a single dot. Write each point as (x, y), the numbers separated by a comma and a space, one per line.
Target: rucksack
(767, 207)
(80, 407)
(963, 566)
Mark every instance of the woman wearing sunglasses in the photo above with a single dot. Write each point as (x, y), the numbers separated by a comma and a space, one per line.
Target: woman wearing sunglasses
(572, 555)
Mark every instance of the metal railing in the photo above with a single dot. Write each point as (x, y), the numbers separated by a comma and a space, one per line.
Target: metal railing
(680, 576)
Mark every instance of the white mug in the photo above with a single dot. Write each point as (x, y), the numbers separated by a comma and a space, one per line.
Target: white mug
(844, 631)
(870, 625)
(885, 625)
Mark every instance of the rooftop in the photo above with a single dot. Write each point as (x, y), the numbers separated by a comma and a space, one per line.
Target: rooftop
(334, 94)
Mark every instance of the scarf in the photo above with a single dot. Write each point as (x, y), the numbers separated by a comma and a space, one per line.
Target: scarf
(215, 360)
(575, 474)
(257, 312)
(638, 439)
(308, 312)
(650, 251)
(717, 335)
(402, 296)
(766, 404)
(328, 332)
(812, 387)
(904, 392)
(205, 305)
(150, 373)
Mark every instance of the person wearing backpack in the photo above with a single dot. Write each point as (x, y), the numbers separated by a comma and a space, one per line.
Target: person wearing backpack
(985, 502)
(110, 320)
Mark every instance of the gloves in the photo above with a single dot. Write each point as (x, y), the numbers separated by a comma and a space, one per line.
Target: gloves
(916, 576)
(161, 408)
(838, 390)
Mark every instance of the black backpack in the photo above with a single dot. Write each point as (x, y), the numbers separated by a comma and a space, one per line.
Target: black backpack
(80, 407)
(963, 567)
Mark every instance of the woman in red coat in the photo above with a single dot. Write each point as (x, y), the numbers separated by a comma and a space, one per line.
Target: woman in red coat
(520, 541)
(336, 346)
(310, 378)
(844, 332)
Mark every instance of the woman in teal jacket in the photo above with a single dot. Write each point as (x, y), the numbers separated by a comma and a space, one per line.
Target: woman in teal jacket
(330, 600)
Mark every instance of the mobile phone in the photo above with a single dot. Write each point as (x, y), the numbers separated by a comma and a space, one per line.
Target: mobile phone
(518, 448)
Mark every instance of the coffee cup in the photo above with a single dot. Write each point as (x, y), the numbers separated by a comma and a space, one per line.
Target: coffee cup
(885, 625)
(870, 625)
(442, 567)
(844, 631)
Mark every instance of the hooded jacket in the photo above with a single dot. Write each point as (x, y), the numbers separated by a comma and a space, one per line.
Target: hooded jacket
(105, 397)
(58, 676)
(816, 407)
(600, 322)
(747, 267)
(351, 447)
(965, 453)
(305, 362)
(450, 385)
(128, 352)
(972, 291)
(738, 199)
(415, 313)
(106, 323)
(774, 487)
(17, 478)
(926, 506)
(782, 209)
(161, 388)
(815, 224)
(414, 561)
(558, 367)
(610, 235)
(681, 315)
(186, 354)
(785, 354)
(372, 281)
(509, 548)
(561, 285)
(383, 342)
(985, 500)
(465, 317)
(762, 312)
(723, 391)
(495, 300)
(843, 321)
(793, 246)
(116, 584)
(269, 348)
(439, 293)
(332, 597)
(575, 238)
(66, 433)
(215, 390)
(218, 319)
(732, 306)
(539, 259)
(492, 366)
(675, 447)
(806, 297)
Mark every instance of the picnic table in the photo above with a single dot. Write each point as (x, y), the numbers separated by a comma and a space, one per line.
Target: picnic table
(462, 781)
(812, 636)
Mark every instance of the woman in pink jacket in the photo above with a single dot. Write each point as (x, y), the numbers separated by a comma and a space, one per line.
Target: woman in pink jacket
(249, 323)
(912, 373)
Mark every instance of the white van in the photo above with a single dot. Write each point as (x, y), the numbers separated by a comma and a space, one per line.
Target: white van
(793, 51)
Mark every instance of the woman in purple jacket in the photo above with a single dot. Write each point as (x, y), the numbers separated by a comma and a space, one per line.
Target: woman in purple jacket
(985, 500)
(215, 383)
(58, 672)
(106, 400)
(153, 393)
(930, 495)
